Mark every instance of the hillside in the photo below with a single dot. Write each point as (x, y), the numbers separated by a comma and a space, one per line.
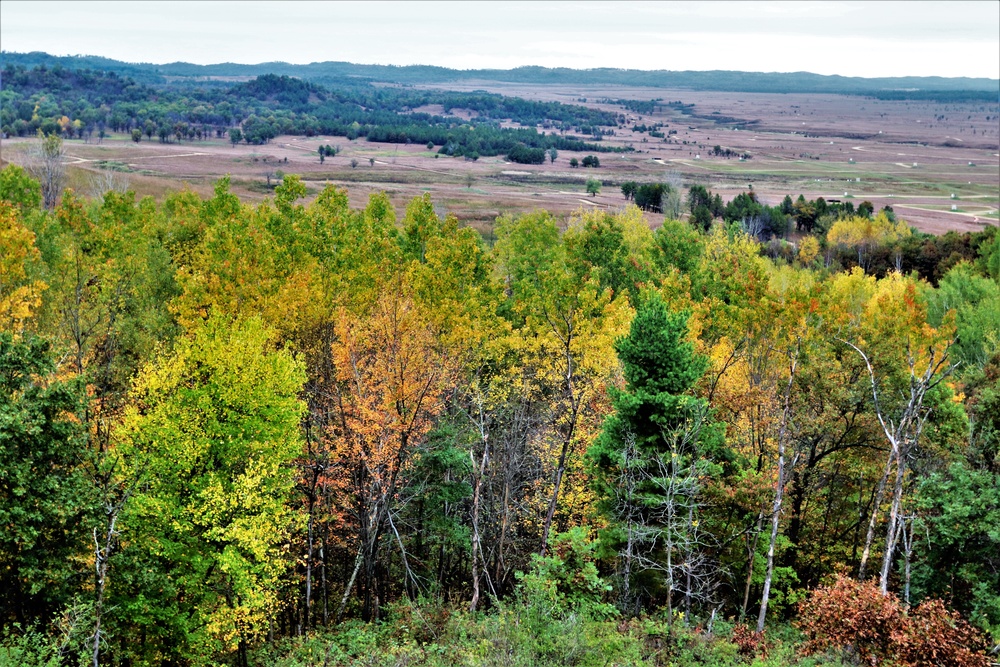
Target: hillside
(912, 87)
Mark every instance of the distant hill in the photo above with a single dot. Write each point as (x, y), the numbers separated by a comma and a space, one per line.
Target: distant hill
(144, 73)
(339, 73)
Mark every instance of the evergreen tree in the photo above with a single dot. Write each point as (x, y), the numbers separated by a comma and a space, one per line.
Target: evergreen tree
(650, 459)
(45, 499)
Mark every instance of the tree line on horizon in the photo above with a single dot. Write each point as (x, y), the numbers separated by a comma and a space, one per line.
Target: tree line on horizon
(336, 74)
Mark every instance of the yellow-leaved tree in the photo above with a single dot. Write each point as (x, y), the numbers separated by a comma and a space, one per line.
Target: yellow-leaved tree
(209, 436)
(20, 295)
(865, 234)
(565, 324)
(249, 262)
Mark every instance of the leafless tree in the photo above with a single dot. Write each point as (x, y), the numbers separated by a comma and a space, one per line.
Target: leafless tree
(481, 419)
(673, 203)
(657, 499)
(779, 491)
(107, 180)
(753, 226)
(312, 469)
(116, 488)
(907, 526)
(45, 163)
(513, 471)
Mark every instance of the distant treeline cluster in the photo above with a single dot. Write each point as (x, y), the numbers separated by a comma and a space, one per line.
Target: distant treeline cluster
(846, 235)
(958, 89)
(241, 434)
(87, 104)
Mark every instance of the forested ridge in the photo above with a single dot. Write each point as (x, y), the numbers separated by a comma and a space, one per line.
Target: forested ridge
(944, 89)
(85, 103)
(307, 434)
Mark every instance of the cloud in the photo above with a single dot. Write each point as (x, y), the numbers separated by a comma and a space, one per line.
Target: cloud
(848, 38)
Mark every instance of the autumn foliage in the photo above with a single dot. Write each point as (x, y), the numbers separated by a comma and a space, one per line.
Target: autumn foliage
(878, 629)
(282, 420)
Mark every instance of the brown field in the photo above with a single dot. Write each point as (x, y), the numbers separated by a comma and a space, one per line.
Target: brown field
(913, 156)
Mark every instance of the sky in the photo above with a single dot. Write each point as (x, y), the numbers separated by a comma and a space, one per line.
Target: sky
(868, 39)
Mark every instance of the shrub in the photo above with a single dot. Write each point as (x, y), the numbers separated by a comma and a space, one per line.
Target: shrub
(567, 580)
(932, 635)
(876, 628)
(749, 642)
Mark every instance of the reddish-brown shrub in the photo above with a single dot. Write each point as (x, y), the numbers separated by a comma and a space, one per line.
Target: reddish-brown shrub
(851, 615)
(931, 636)
(877, 628)
(750, 643)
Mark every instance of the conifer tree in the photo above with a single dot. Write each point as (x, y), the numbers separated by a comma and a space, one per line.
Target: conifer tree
(650, 459)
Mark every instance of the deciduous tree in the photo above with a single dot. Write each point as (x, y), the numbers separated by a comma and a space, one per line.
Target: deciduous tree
(213, 427)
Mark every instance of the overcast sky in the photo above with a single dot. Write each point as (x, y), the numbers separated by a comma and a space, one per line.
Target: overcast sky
(848, 38)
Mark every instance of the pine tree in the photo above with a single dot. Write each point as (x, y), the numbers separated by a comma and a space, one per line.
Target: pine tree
(650, 459)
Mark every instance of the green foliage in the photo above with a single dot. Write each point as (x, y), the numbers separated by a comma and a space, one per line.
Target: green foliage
(657, 444)
(523, 154)
(427, 635)
(566, 580)
(649, 196)
(677, 245)
(46, 501)
(976, 302)
(983, 388)
(656, 357)
(614, 248)
(701, 218)
(64, 641)
(211, 433)
(757, 219)
(957, 553)
(989, 258)
(110, 278)
(17, 187)
(628, 189)
(440, 472)
(420, 224)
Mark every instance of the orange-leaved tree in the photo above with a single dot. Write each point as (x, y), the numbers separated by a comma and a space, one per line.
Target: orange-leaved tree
(392, 376)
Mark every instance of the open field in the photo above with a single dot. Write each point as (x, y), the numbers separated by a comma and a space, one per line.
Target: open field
(936, 164)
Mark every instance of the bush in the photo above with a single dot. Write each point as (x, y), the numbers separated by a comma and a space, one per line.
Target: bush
(749, 642)
(873, 627)
(566, 580)
(932, 635)
(524, 155)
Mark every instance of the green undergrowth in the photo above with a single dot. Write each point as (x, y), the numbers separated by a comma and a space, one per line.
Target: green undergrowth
(526, 634)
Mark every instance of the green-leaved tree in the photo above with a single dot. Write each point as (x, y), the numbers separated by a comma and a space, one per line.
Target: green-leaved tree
(213, 428)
